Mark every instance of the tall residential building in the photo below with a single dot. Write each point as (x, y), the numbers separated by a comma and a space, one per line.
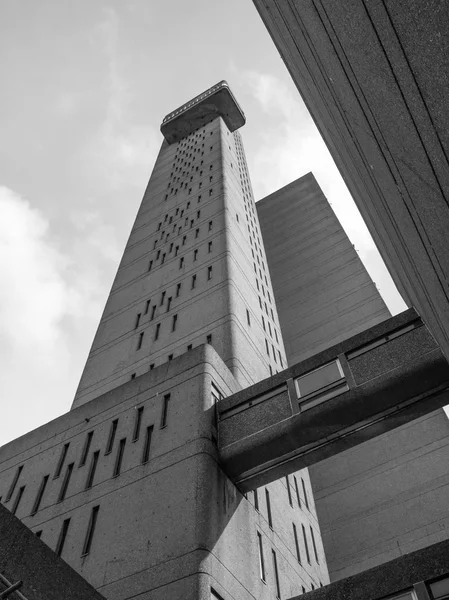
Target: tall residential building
(126, 487)
(388, 496)
(374, 78)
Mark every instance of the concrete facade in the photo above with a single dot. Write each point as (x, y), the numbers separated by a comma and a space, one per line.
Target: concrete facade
(387, 496)
(374, 78)
(323, 292)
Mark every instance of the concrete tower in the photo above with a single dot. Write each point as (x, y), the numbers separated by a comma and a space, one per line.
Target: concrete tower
(126, 487)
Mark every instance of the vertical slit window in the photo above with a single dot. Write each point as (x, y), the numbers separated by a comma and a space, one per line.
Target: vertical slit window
(162, 298)
(256, 499)
(210, 247)
(169, 303)
(111, 438)
(209, 273)
(289, 492)
(193, 281)
(137, 423)
(40, 495)
(17, 500)
(174, 320)
(90, 530)
(65, 483)
(164, 415)
(261, 560)
(62, 537)
(298, 497)
(306, 500)
(86, 448)
(295, 535)
(314, 545)
(306, 545)
(140, 340)
(267, 498)
(276, 573)
(150, 266)
(119, 458)
(14, 483)
(61, 461)
(153, 312)
(92, 469)
(147, 444)
(137, 321)
(178, 290)
(147, 306)
(248, 317)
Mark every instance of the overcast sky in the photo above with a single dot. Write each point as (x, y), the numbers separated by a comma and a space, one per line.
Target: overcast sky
(85, 87)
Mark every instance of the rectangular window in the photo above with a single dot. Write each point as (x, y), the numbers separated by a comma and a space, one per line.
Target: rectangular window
(147, 444)
(156, 333)
(298, 497)
(210, 225)
(119, 458)
(170, 357)
(17, 500)
(90, 530)
(137, 321)
(295, 535)
(209, 339)
(189, 347)
(267, 498)
(111, 437)
(267, 348)
(210, 192)
(61, 461)
(195, 255)
(314, 545)
(169, 303)
(137, 423)
(276, 573)
(193, 281)
(147, 306)
(176, 250)
(92, 469)
(248, 318)
(153, 312)
(150, 265)
(197, 233)
(210, 247)
(256, 499)
(163, 259)
(173, 324)
(65, 482)
(289, 492)
(209, 273)
(184, 239)
(151, 366)
(162, 298)
(198, 214)
(181, 262)
(14, 483)
(306, 500)
(158, 254)
(306, 545)
(40, 495)
(62, 537)
(261, 560)
(140, 340)
(164, 415)
(178, 290)
(86, 448)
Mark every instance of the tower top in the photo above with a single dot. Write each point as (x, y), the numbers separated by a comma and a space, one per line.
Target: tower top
(217, 101)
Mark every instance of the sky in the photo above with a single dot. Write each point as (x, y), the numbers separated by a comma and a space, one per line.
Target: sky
(86, 85)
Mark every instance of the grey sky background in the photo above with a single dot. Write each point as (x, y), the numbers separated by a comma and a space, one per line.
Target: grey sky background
(86, 85)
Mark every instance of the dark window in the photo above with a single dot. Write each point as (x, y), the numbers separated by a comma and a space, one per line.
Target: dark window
(90, 530)
(248, 317)
(295, 535)
(147, 444)
(267, 498)
(173, 324)
(298, 497)
(193, 281)
(62, 537)
(210, 225)
(17, 500)
(111, 437)
(153, 312)
(158, 254)
(209, 339)
(147, 306)
(164, 415)
(198, 214)
(256, 499)
(92, 469)
(65, 482)
(151, 366)
(209, 273)
(176, 250)
(137, 423)
(197, 233)
(306, 545)
(306, 500)
(38, 534)
(162, 298)
(150, 265)
(119, 458)
(137, 321)
(178, 290)
(189, 347)
(40, 495)
(169, 303)
(156, 333)
(210, 192)
(87, 444)
(195, 255)
(163, 259)
(61, 461)
(170, 357)
(266, 346)
(287, 481)
(14, 483)
(184, 239)
(276, 574)
(261, 560)
(210, 246)
(314, 544)
(140, 340)
(181, 262)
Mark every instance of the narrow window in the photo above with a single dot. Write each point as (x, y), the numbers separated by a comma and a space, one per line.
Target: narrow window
(209, 273)
(289, 490)
(86, 448)
(147, 444)
(181, 262)
(267, 498)
(306, 500)
(261, 561)
(176, 250)
(147, 306)
(178, 290)
(169, 303)
(170, 357)
(153, 312)
(150, 265)
(184, 239)
(197, 233)
(92, 469)
(198, 214)
(263, 323)
(163, 259)
(189, 347)
(65, 483)
(210, 192)
(40, 495)
(266, 346)
(17, 500)
(306, 544)
(276, 574)
(151, 366)
(248, 317)
(61, 461)
(14, 483)
(298, 497)
(158, 254)
(111, 438)
(156, 333)
(237, 217)
(209, 339)
(90, 530)
(165, 410)
(162, 298)
(62, 537)
(140, 340)
(137, 320)
(119, 458)
(256, 499)
(193, 281)
(173, 324)
(159, 226)
(210, 246)
(191, 223)
(137, 423)
(295, 535)
(195, 255)
(314, 545)
(199, 197)
(210, 225)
